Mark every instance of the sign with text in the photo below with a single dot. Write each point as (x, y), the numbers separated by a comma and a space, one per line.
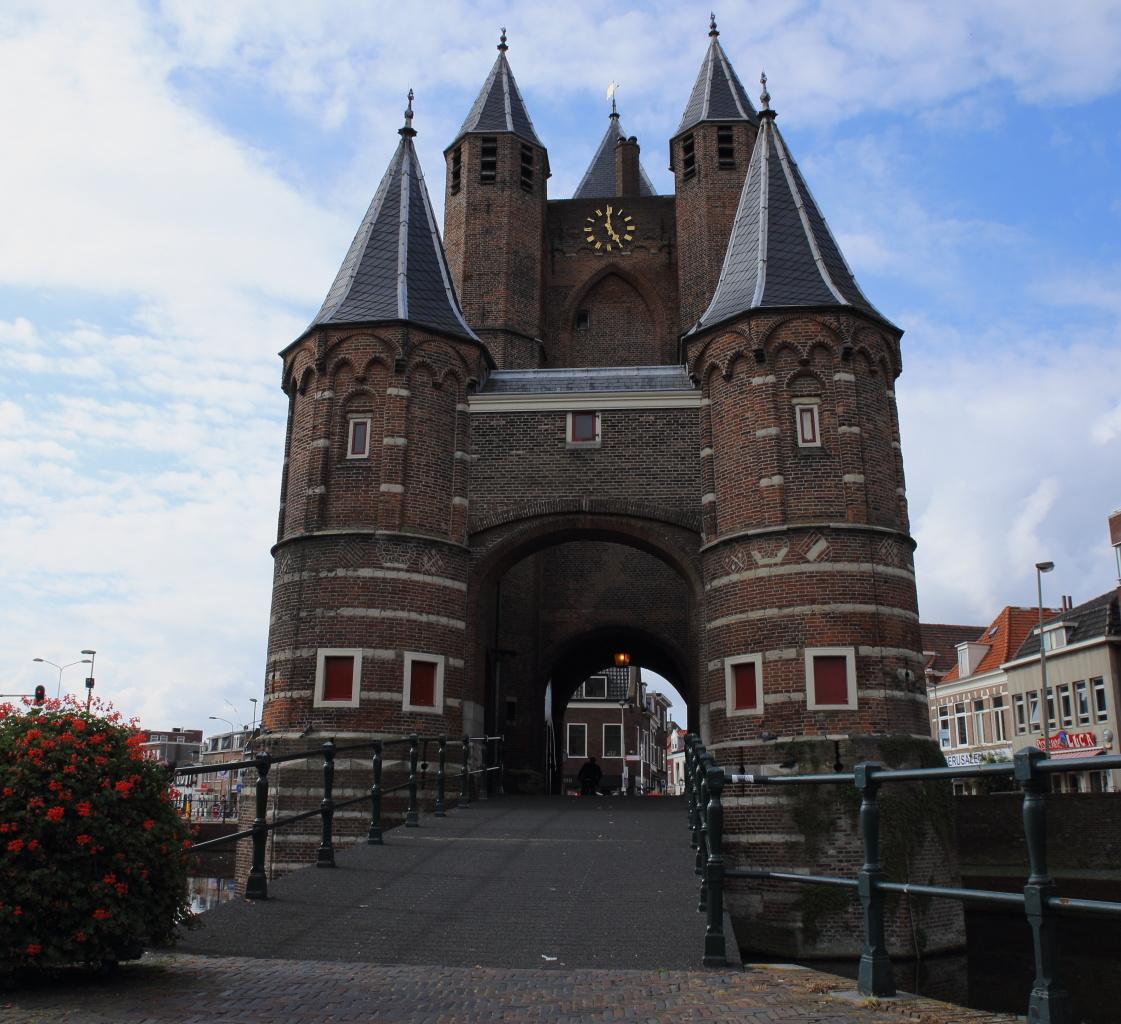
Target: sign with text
(1063, 740)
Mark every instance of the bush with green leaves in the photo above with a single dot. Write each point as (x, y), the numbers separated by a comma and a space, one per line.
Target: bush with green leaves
(93, 856)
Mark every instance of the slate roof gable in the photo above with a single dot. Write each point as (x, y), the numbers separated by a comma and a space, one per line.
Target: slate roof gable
(599, 179)
(395, 269)
(499, 107)
(718, 94)
(1095, 618)
(781, 253)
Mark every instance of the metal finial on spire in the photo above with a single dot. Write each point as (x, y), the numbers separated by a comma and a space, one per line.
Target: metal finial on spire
(502, 41)
(713, 31)
(612, 88)
(408, 130)
(764, 96)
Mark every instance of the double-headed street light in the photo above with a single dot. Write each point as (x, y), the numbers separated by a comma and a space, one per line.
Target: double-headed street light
(89, 679)
(62, 668)
(1040, 569)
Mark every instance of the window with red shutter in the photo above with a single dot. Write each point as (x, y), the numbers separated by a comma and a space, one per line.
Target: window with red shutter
(830, 679)
(338, 678)
(422, 684)
(583, 427)
(745, 686)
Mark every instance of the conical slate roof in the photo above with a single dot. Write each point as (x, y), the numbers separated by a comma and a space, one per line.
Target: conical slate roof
(717, 93)
(599, 179)
(396, 268)
(499, 107)
(781, 252)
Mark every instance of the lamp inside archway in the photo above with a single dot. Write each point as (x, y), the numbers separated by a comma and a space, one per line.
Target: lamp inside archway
(622, 658)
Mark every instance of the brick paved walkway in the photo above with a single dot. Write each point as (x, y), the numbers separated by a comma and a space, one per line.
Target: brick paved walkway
(452, 923)
(179, 989)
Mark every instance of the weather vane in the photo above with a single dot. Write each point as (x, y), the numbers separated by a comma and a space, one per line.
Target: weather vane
(613, 88)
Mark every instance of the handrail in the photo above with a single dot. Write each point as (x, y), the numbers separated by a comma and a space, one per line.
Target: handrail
(1049, 1002)
(257, 884)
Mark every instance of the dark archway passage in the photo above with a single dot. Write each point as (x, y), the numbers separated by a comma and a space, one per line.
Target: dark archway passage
(554, 599)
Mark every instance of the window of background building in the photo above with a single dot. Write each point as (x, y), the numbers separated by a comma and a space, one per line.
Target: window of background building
(1050, 709)
(1066, 706)
(961, 733)
(1082, 701)
(612, 741)
(582, 320)
(1021, 719)
(1033, 711)
(595, 687)
(944, 726)
(978, 721)
(830, 677)
(577, 739)
(1000, 732)
(1101, 708)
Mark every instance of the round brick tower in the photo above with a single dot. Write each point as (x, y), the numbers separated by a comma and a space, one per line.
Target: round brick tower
(812, 628)
(367, 630)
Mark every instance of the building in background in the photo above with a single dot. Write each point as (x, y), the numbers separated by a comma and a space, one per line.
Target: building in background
(177, 748)
(675, 760)
(611, 710)
(216, 793)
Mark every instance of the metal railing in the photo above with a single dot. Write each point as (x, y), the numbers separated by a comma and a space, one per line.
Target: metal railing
(256, 886)
(1049, 1002)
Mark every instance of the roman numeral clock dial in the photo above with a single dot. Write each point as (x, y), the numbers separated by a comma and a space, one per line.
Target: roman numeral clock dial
(609, 230)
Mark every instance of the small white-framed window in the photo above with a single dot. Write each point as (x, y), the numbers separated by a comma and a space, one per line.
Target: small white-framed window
(612, 740)
(595, 688)
(1066, 706)
(582, 430)
(978, 722)
(961, 736)
(944, 726)
(577, 743)
(338, 676)
(1033, 711)
(358, 437)
(1021, 715)
(999, 729)
(807, 422)
(743, 685)
(424, 683)
(830, 678)
(1082, 700)
(1101, 707)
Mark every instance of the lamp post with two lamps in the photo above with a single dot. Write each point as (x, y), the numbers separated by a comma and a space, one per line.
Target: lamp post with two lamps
(89, 679)
(62, 668)
(1040, 569)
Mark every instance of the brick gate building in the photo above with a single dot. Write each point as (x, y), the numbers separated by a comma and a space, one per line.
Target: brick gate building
(662, 423)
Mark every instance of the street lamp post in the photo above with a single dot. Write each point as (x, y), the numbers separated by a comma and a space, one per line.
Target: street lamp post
(253, 701)
(61, 669)
(1040, 569)
(89, 679)
(623, 705)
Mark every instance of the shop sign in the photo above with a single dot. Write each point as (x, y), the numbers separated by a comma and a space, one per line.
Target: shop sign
(1063, 740)
(974, 757)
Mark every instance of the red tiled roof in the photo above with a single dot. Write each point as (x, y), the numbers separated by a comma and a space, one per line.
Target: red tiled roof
(939, 643)
(1003, 637)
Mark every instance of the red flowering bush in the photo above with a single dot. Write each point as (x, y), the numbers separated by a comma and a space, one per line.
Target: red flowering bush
(93, 857)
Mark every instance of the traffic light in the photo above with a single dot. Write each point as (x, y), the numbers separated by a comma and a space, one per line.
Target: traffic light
(40, 694)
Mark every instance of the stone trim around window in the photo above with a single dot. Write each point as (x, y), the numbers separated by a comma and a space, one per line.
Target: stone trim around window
(849, 654)
(321, 656)
(407, 696)
(732, 674)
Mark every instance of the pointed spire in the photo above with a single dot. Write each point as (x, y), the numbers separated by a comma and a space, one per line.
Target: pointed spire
(599, 179)
(499, 107)
(395, 269)
(764, 96)
(781, 253)
(717, 93)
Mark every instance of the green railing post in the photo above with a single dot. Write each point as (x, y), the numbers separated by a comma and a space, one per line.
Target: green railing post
(875, 976)
(715, 952)
(465, 778)
(325, 858)
(256, 885)
(1049, 1003)
(373, 836)
(692, 809)
(441, 759)
(702, 845)
(698, 807)
(412, 819)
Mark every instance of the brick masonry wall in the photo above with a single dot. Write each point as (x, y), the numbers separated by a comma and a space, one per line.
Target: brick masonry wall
(705, 208)
(630, 296)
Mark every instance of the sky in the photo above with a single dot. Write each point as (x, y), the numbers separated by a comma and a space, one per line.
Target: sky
(181, 181)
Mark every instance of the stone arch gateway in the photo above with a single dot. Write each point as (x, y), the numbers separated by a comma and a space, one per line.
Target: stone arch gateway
(490, 480)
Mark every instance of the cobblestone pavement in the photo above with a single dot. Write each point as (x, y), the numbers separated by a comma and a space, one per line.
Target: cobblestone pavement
(184, 989)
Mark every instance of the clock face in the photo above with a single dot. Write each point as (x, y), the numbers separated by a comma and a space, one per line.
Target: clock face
(609, 230)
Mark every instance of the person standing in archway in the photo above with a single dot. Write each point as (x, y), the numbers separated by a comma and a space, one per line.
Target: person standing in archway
(589, 775)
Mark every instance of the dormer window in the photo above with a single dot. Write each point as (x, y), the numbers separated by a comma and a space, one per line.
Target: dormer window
(1055, 636)
(969, 657)
(595, 688)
